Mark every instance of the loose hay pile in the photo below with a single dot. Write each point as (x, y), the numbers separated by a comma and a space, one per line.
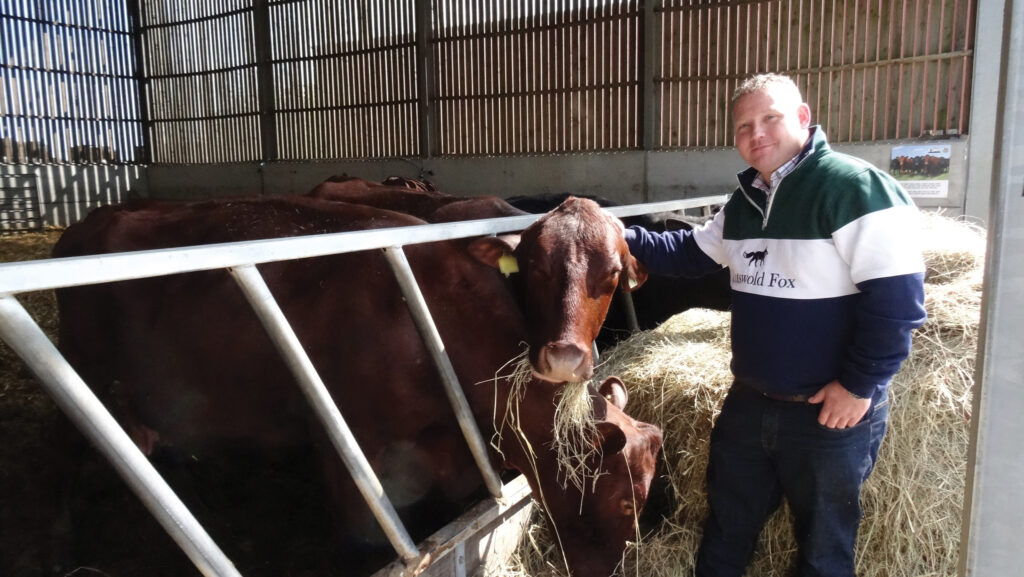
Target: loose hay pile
(678, 375)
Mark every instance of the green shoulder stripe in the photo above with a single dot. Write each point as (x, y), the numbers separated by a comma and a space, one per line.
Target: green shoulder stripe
(826, 192)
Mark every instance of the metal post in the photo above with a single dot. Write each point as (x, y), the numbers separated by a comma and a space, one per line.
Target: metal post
(76, 399)
(649, 60)
(990, 533)
(281, 333)
(428, 332)
(425, 71)
(265, 80)
(141, 76)
(631, 320)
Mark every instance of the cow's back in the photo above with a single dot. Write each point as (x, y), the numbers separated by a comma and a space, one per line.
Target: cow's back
(188, 351)
(426, 203)
(188, 359)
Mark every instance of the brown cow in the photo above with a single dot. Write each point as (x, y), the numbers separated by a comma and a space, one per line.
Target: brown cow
(189, 361)
(563, 352)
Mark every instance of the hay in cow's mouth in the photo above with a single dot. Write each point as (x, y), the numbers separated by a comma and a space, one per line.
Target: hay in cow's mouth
(574, 430)
(575, 435)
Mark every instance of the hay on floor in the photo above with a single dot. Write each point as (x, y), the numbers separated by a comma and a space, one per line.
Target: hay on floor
(678, 374)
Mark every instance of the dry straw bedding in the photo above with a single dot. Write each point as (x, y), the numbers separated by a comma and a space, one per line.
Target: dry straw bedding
(678, 375)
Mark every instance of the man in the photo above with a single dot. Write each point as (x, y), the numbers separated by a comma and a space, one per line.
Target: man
(827, 285)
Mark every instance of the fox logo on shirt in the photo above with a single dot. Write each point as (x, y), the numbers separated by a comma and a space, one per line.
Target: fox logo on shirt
(756, 257)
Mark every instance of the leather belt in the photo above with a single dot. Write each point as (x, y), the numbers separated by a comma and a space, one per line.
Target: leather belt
(773, 396)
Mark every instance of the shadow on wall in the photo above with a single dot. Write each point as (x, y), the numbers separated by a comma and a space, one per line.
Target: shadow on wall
(67, 192)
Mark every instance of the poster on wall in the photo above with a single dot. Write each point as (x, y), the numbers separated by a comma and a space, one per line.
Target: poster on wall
(922, 169)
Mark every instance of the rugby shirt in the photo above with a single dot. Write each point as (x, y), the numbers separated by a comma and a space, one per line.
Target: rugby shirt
(826, 273)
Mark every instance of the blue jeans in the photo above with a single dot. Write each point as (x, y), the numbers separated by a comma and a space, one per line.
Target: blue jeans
(762, 450)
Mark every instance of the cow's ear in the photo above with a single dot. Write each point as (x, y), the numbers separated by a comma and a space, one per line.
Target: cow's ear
(634, 274)
(610, 438)
(490, 249)
(614, 390)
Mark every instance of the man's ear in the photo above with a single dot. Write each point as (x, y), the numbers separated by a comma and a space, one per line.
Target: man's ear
(490, 249)
(634, 274)
(803, 113)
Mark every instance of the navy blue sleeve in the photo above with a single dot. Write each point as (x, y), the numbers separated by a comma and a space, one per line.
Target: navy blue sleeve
(672, 253)
(889, 309)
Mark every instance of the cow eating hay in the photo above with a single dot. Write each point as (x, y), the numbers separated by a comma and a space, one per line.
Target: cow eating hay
(678, 376)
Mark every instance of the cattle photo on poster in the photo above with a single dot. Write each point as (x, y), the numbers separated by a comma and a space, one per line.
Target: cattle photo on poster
(188, 369)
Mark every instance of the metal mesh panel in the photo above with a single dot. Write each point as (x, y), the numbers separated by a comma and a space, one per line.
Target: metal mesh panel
(67, 86)
(870, 69)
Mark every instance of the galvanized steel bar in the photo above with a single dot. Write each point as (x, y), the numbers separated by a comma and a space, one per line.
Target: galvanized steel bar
(73, 396)
(82, 270)
(428, 332)
(73, 271)
(990, 532)
(287, 343)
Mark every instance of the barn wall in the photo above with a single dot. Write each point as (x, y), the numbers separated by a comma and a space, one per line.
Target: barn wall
(524, 98)
(66, 192)
(628, 177)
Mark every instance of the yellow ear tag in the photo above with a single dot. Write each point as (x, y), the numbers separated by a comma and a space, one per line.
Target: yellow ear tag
(632, 283)
(508, 264)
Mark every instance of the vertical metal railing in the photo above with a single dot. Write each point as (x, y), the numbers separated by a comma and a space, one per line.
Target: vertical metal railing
(428, 332)
(288, 345)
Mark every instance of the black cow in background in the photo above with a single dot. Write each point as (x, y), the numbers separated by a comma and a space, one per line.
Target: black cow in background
(661, 297)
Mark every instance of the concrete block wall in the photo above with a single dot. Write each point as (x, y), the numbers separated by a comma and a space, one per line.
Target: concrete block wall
(68, 192)
(628, 177)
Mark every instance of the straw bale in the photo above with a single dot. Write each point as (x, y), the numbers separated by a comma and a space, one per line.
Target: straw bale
(952, 247)
(678, 375)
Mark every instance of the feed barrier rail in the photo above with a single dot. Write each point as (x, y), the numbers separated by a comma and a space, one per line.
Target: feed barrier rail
(86, 411)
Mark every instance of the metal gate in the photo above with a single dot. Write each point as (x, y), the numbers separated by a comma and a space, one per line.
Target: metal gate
(19, 202)
(73, 396)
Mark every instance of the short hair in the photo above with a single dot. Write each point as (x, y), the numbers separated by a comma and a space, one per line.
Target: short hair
(760, 82)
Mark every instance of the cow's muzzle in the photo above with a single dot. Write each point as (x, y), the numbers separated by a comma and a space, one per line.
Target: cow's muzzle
(562, 362)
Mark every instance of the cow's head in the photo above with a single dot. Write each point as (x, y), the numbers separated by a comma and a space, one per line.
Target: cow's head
(593, 524)
(565, 268)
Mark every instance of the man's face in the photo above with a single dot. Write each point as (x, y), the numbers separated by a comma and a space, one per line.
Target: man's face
(771, 127)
